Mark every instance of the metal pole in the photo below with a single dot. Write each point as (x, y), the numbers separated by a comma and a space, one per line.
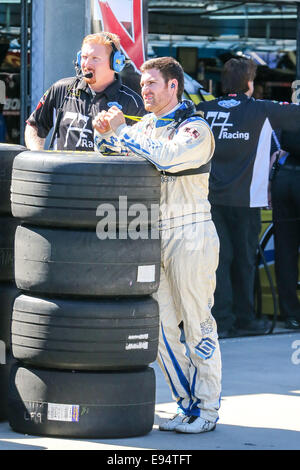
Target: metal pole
(24, 68)
(298, 43)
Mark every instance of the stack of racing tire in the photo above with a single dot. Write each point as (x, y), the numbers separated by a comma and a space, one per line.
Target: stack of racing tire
(8, 289)
(85, 327)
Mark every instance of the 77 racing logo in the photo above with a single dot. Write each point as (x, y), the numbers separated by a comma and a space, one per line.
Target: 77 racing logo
(219, 119)
(78, 123)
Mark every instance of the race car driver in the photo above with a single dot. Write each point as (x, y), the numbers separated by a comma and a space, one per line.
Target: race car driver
(82, 97)
(180, 145)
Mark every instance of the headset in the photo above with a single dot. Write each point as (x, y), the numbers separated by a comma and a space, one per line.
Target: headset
(117, 59)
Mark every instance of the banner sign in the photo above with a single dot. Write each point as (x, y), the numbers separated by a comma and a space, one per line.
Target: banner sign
(129, 20)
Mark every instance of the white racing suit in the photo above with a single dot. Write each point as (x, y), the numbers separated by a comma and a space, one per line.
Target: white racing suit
(189, 353)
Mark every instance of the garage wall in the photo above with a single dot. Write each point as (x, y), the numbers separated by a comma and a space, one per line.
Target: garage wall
(58, 27)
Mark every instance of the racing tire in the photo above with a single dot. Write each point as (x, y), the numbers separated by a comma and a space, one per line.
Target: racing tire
(8, 225)
(8, 294)
(111, 334)
(7, 154)
(81, 404)
(64, 189)
(77, 263)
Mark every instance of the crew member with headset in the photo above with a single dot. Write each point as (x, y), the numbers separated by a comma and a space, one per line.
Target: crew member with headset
(71, 104)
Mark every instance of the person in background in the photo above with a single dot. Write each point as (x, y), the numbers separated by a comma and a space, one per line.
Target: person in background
(258, 92)
(97, 87)
(285, 194)
(238, 188)
(180, 144)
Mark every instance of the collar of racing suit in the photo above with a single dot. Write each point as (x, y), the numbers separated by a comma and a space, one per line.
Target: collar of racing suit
(178, 114)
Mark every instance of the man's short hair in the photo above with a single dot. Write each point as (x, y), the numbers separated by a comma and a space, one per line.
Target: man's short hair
(103, 38)
(169, 68)
(236, 74)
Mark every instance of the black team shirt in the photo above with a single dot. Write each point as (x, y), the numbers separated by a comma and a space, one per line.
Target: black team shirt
(79, 109)
(242, 128)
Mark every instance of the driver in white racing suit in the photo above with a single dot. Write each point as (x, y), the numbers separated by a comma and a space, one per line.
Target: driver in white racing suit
(180, 145)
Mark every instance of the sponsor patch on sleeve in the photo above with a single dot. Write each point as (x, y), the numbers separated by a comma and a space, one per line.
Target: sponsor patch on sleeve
(192, 132)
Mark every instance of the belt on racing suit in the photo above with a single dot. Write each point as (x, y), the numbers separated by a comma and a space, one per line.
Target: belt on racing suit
(192, 171)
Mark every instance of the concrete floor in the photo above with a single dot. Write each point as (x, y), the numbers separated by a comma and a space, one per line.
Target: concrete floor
(260, 407)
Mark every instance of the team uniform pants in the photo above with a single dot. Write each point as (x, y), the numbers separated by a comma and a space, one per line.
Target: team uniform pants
(238, 229)
(286, 217)
(189, 353)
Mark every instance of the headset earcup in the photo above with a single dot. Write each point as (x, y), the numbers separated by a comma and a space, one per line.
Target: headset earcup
(117, 61)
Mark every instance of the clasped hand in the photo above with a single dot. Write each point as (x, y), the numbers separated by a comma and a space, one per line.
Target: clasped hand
(108, 120)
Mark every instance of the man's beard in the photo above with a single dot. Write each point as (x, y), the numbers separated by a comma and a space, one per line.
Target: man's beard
(149, 105)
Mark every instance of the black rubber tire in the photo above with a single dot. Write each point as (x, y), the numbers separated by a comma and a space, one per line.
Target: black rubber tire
(111, 334)
(8, 293)
(5, 370)
(102, 404)
(8, 225)
(63, 189)
(75, 262)
(7, 154)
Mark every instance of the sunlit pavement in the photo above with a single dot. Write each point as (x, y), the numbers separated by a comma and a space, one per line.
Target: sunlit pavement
(260, 406)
